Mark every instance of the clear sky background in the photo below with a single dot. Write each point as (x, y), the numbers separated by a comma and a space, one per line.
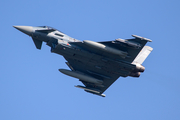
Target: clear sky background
(32, 88)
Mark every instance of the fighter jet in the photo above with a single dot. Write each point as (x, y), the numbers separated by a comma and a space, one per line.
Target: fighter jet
(96, 64)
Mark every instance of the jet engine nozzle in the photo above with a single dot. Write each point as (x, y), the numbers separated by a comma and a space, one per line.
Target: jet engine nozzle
(135, 74)
(139, 68)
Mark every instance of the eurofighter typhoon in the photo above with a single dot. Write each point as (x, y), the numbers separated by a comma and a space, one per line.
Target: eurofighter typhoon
(96, 64)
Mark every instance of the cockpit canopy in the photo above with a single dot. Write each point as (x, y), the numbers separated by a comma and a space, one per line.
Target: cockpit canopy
(48, 27)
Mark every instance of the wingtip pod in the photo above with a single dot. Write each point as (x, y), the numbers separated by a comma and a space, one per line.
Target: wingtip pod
(142, 38)
(91, 90)
(102, 95)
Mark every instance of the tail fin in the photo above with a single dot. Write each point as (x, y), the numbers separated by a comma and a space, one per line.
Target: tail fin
(143, 55)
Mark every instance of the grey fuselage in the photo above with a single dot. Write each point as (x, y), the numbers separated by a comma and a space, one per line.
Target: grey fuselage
(68, 47)
(96, 64)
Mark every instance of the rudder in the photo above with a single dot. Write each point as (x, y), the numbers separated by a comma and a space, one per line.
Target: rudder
(143, 54)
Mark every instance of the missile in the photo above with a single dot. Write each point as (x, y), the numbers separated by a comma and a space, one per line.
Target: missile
(81, 76)
(131, 44)
(105, 48)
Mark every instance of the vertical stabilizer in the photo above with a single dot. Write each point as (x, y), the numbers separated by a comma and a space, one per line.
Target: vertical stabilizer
(143, 55)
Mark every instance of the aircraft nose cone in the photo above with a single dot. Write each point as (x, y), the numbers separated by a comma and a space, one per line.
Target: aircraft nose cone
(25, 29)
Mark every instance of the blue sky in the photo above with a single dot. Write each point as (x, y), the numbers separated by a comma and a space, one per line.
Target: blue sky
(32, 88)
